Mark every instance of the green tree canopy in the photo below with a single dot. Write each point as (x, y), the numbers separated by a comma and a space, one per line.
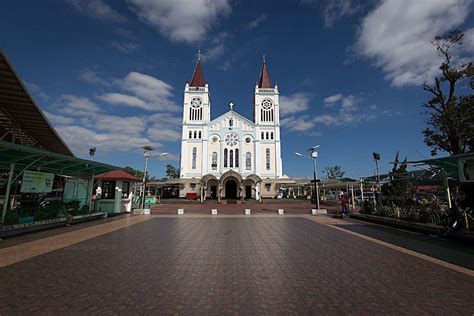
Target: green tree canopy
(334, 172)
(450, 126)
(172, 172)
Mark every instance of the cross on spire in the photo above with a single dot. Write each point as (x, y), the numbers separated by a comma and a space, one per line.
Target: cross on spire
(263, 58)
(199, 54)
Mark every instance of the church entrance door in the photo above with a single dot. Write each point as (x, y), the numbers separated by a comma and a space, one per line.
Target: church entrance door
(213, 192)
(231, 189)
(248, 191)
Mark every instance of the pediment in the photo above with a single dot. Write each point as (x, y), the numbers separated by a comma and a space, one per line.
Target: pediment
(238, 121)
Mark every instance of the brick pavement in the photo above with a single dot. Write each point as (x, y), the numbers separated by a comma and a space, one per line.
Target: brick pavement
(219, 265)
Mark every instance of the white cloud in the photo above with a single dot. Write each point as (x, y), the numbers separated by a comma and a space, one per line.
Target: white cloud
(397, 36)
(181, 20)
(80, 139)
(57, 119)
(331, 100)
(97, 9)
(345, 110)
(36, 90)
(125, 47)
(297, 102)
(92, 77)
(469, 40)
(149, 93)
(123, 99)
(145, 86)
(337, 9)
(302, 123)
(164, 127)
(216, 47)
(158, 133)
(253, 24)
(75, 105)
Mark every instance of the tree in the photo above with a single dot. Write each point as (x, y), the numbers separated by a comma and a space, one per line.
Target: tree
(172, 172)
(334, 172)
(451, 118)
(134, 172)
(398, 189)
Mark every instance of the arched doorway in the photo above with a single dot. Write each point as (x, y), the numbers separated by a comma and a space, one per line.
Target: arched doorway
(231, 189)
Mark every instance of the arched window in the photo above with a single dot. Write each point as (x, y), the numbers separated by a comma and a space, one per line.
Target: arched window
(271, 135)
(236, 157)
(200, 135)
(190, 134)
(263, 135)
(267, 158)
(214, 161)
(231, 158)
(267, 135)
(195, 134)
(225, 158)
(194, 157)
(248, 161)
(231, 122)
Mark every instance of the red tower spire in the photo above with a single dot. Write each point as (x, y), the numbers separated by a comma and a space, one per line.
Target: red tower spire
(264, 78)
(198, 76)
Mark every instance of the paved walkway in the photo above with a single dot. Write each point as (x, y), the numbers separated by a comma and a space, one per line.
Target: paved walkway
(224, 265)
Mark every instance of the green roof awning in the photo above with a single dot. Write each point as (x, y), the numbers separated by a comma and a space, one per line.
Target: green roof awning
(42, 160)
(451, 163)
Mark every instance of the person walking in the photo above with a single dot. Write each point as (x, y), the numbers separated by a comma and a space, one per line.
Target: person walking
(344, 206)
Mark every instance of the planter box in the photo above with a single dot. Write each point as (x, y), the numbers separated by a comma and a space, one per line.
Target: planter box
(17, 229)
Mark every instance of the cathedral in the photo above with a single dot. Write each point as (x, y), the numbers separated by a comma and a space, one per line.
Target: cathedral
(230, 157)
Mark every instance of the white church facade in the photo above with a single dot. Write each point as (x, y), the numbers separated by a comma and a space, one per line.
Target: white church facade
(230, 157)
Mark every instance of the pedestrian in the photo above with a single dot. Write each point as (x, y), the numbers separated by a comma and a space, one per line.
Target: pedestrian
(344, 202)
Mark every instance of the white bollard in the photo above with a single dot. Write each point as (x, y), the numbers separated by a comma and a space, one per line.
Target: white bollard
(321, 211)
(214, 211)
(180, 211)
(280, 211)
(247, 211)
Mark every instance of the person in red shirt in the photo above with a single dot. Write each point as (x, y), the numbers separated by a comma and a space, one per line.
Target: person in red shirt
(344, 202)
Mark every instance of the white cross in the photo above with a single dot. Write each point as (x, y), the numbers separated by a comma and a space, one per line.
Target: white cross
(199, 54)
(231, 105)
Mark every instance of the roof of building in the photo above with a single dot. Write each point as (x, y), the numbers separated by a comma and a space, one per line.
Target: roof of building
(24, 157)
(198, 76)
(264, 78)
(21, 120)
(116, 175)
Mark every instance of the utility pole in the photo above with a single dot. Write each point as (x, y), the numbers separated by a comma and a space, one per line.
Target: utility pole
(376, 159)
(146, 153)
(314, 155)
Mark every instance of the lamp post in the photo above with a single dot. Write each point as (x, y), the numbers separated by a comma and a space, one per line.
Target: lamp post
(146, 153)
(92, 152)
(314, 155)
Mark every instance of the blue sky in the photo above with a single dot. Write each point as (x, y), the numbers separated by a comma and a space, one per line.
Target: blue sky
(111, 74)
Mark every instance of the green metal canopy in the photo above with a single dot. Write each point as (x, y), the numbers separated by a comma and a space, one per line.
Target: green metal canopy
(24, 157)
(452, 164)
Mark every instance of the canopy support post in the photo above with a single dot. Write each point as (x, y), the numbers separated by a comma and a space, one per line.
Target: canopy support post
(7, 193)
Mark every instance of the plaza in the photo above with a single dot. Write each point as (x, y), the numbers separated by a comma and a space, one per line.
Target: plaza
(228, 264)
(237, 157)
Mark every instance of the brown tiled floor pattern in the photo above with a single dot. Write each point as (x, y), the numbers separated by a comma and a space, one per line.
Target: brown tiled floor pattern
(260, 265)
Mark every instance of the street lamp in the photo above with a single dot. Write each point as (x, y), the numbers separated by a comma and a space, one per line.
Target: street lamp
(147, 153)
(314, 155)
(92, 152)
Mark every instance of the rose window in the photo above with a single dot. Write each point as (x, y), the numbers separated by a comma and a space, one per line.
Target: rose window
(267, 104)
(231, 139)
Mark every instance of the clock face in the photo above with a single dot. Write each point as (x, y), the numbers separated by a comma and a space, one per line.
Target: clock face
(267, 104)
(196, 102)
(231, 139)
